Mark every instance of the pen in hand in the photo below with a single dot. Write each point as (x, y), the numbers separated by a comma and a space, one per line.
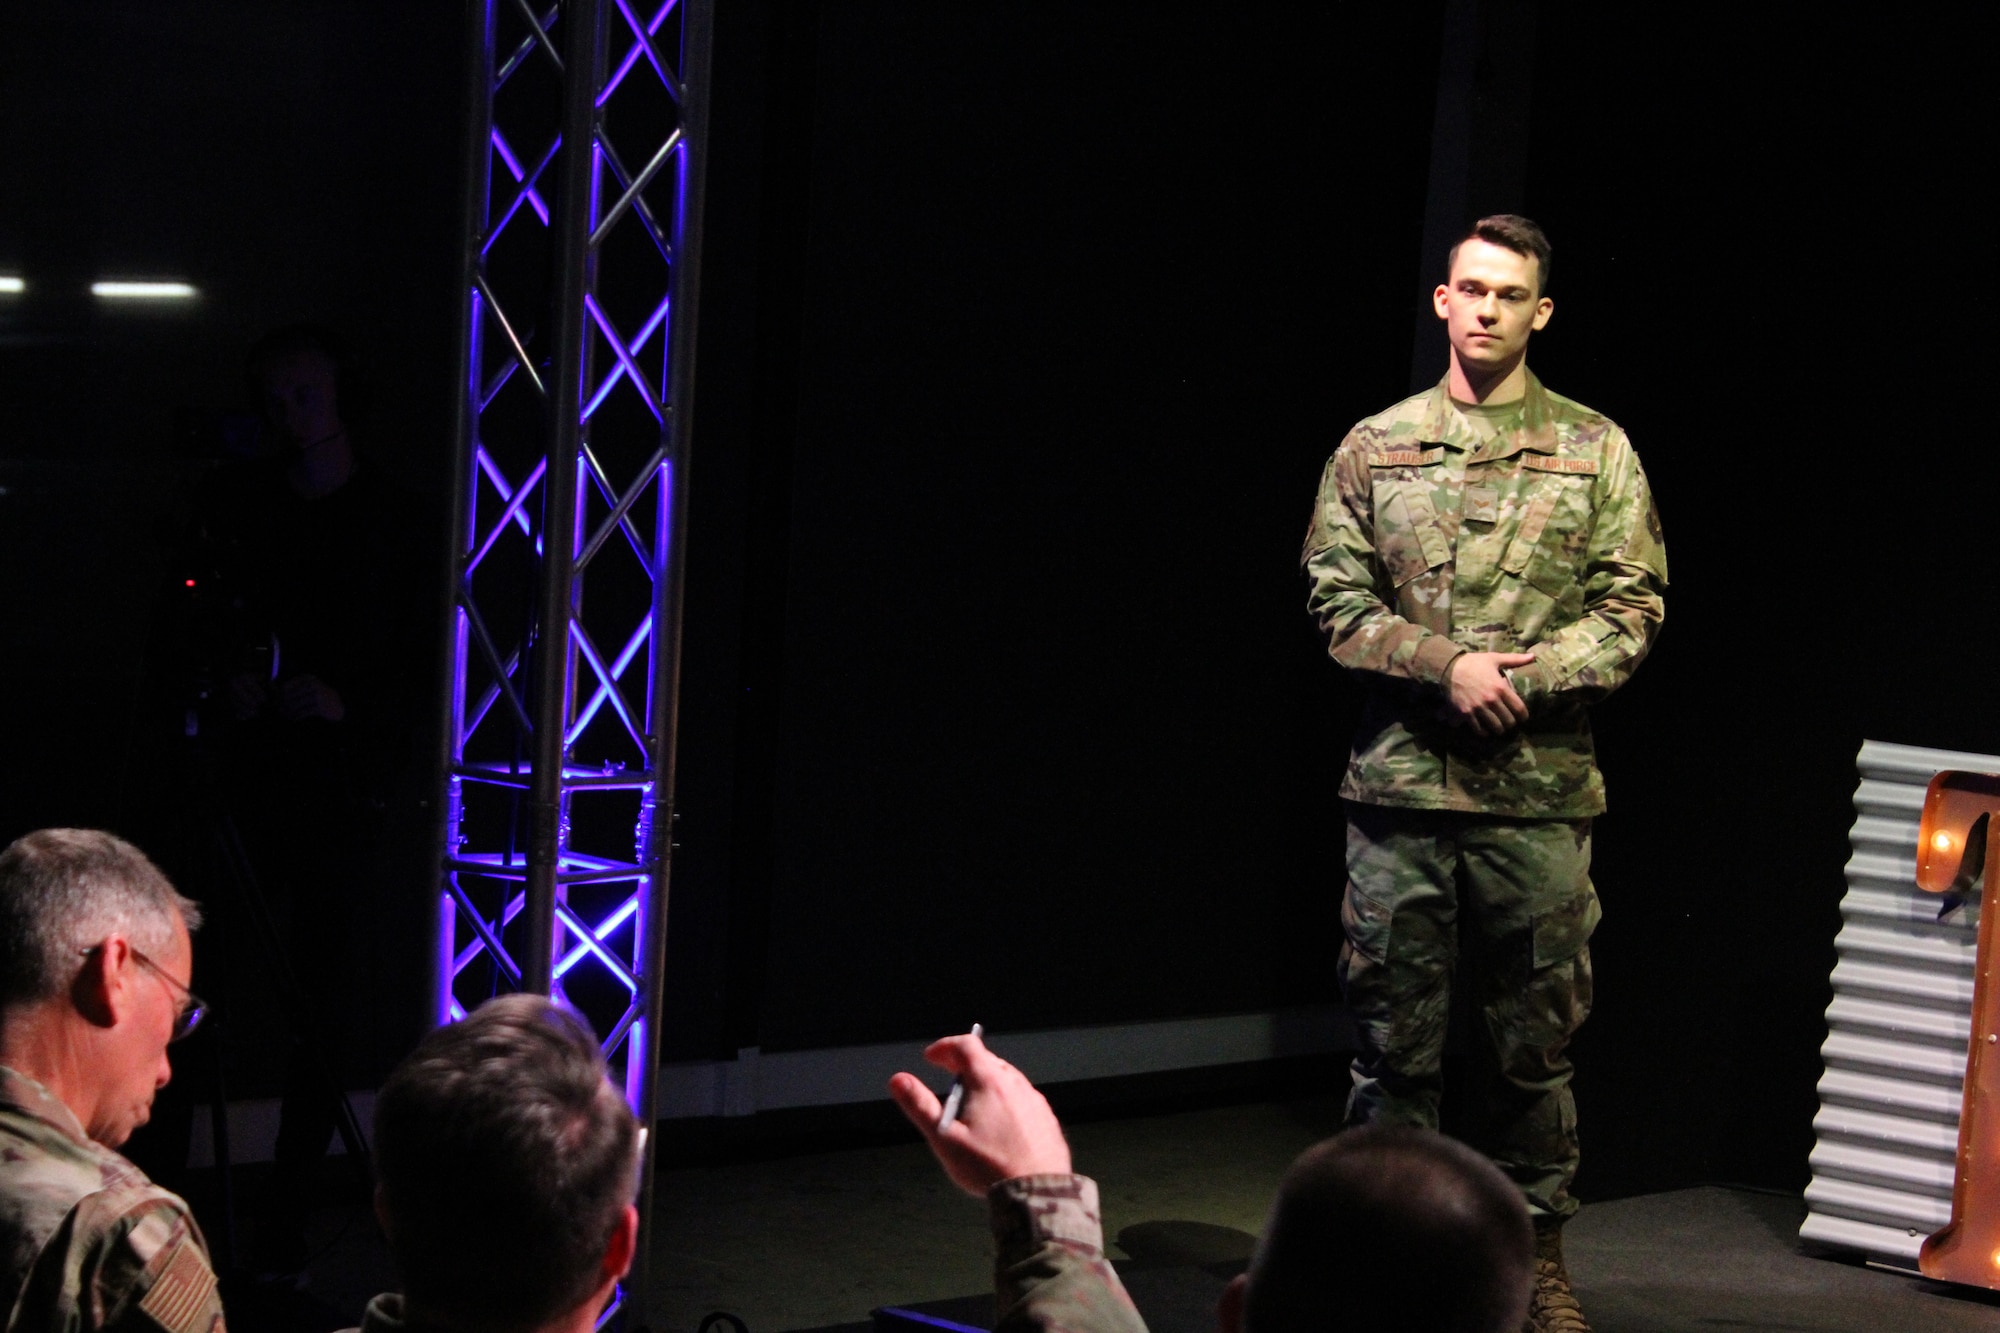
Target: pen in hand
(956, 1097)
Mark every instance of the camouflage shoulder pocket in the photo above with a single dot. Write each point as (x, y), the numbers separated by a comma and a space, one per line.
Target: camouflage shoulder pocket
(1408, 539)
(1554, 530)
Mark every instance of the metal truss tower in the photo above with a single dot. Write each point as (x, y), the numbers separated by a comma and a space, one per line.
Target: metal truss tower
(584, 160)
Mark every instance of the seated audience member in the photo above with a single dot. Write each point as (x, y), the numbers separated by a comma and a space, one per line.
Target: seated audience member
(1383, 1228)
(1390, 1226)
(507, 1166)
(94, 964)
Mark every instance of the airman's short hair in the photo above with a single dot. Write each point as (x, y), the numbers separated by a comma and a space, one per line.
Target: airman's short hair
(506, 1159)
(1392, 1227)
(1510, 231)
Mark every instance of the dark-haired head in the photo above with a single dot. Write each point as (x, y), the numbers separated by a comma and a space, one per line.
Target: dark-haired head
(508, 1165)
(1510, 231)
(1389, 1227)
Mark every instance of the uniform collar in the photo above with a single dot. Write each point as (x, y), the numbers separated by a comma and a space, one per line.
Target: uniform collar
(31, 1098)
(1536, 433)
(390, 1313)
(384, 1314)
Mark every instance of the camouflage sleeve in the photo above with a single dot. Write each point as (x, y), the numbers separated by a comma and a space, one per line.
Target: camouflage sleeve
(121, 1267)
(1624, 594)
(1049, 1270)
(1347, 595)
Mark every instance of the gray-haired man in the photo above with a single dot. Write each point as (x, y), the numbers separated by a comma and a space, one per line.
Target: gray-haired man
(94, 967)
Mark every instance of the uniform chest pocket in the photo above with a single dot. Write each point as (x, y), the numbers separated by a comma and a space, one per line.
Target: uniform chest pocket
(1547, 549)
(1407, 537)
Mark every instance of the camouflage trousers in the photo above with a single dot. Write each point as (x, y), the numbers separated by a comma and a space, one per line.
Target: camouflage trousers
(1506, 907)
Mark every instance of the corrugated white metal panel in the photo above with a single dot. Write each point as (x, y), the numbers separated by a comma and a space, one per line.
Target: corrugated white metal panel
(1862, 1127)
(1900, 1020)
(1916, 945)
(1893, 1058)
(1893, 1168)
(1918, 1213)
(1902, 983)
(1897, 1028)
(1892, 1096)
(1847, 1234)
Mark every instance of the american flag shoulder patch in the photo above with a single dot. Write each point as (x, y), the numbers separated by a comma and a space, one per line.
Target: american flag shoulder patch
(180, 1298)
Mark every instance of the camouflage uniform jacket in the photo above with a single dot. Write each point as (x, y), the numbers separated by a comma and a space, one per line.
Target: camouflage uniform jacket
(86, 1241)
(1426, 543)
(1049, 1270)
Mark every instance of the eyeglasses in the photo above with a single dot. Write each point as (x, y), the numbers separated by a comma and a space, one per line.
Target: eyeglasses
(192, 1007)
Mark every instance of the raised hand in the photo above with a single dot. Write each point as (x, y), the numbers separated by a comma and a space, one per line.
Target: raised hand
(1004, 1127)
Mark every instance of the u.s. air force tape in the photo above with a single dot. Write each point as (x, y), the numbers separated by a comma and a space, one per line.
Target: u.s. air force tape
(1576, 467)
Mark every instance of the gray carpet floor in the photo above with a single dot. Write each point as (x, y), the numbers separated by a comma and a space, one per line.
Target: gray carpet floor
(1718, 1258)
(818, 1242)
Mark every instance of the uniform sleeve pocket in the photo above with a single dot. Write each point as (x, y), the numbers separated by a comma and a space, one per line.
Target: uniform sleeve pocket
(1573, 651)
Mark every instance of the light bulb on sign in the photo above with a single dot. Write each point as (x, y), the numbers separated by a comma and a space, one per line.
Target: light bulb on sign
(1940, 841)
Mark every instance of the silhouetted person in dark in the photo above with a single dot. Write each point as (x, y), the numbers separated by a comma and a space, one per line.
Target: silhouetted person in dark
(313, 728)
(314, 534)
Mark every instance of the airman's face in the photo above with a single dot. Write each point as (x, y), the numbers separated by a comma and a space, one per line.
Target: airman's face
(1491, 305)
(299, 398)
(135, 1064)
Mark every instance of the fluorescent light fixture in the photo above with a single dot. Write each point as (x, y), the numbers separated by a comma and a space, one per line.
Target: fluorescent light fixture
(11, 286)
(142, 291)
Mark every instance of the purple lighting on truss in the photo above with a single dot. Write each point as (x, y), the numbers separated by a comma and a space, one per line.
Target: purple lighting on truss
(514, 499)
(564, 628)
(640, 46)
(626, 351)
(513, 166)
(605, 687)
(626, 910)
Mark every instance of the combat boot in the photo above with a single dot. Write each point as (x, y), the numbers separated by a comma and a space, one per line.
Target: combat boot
(1552, 1307)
